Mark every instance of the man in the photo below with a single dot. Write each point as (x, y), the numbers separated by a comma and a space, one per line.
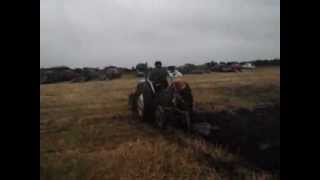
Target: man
(158, 76)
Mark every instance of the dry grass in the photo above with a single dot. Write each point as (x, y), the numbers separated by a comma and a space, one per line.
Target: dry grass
(87, 133)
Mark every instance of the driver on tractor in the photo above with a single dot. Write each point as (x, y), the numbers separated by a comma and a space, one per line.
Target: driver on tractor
(158, 77)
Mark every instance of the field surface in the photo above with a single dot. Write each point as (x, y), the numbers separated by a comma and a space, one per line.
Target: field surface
(87, 131)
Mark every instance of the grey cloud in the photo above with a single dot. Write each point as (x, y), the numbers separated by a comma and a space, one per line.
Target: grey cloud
(81, 33)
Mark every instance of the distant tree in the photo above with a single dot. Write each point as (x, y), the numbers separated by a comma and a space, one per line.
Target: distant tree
(266, 62)
(59, 68)
(187, 68)
(78, 70)
(211, 64)
(190, 65)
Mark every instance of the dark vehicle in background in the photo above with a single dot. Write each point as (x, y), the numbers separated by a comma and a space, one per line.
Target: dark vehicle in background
(198, 71)
(236, 67)
(187, 68)
(193, 69)
(226, 67)
(112, 72)
(221, 67)
(57, 74)
(90, 74)
(66, 74)
(141, 69)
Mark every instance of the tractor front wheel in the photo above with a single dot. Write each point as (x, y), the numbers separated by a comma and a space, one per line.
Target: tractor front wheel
(160, 117)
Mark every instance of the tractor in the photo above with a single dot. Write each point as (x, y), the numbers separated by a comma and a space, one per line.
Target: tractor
(171, 106)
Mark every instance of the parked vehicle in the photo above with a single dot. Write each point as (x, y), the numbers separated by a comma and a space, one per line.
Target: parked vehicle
(248, 66)
(141, 69)
(236, 67)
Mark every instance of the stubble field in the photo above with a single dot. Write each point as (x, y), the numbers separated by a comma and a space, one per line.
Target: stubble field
(87, 131)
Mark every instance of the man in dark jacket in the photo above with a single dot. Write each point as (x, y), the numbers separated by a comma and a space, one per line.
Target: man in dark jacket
(158, 76)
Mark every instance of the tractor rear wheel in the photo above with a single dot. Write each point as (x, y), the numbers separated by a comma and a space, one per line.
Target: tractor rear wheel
(144, 104)
(140, 106)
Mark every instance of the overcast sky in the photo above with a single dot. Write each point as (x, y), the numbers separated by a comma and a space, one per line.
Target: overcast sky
(99, 33)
